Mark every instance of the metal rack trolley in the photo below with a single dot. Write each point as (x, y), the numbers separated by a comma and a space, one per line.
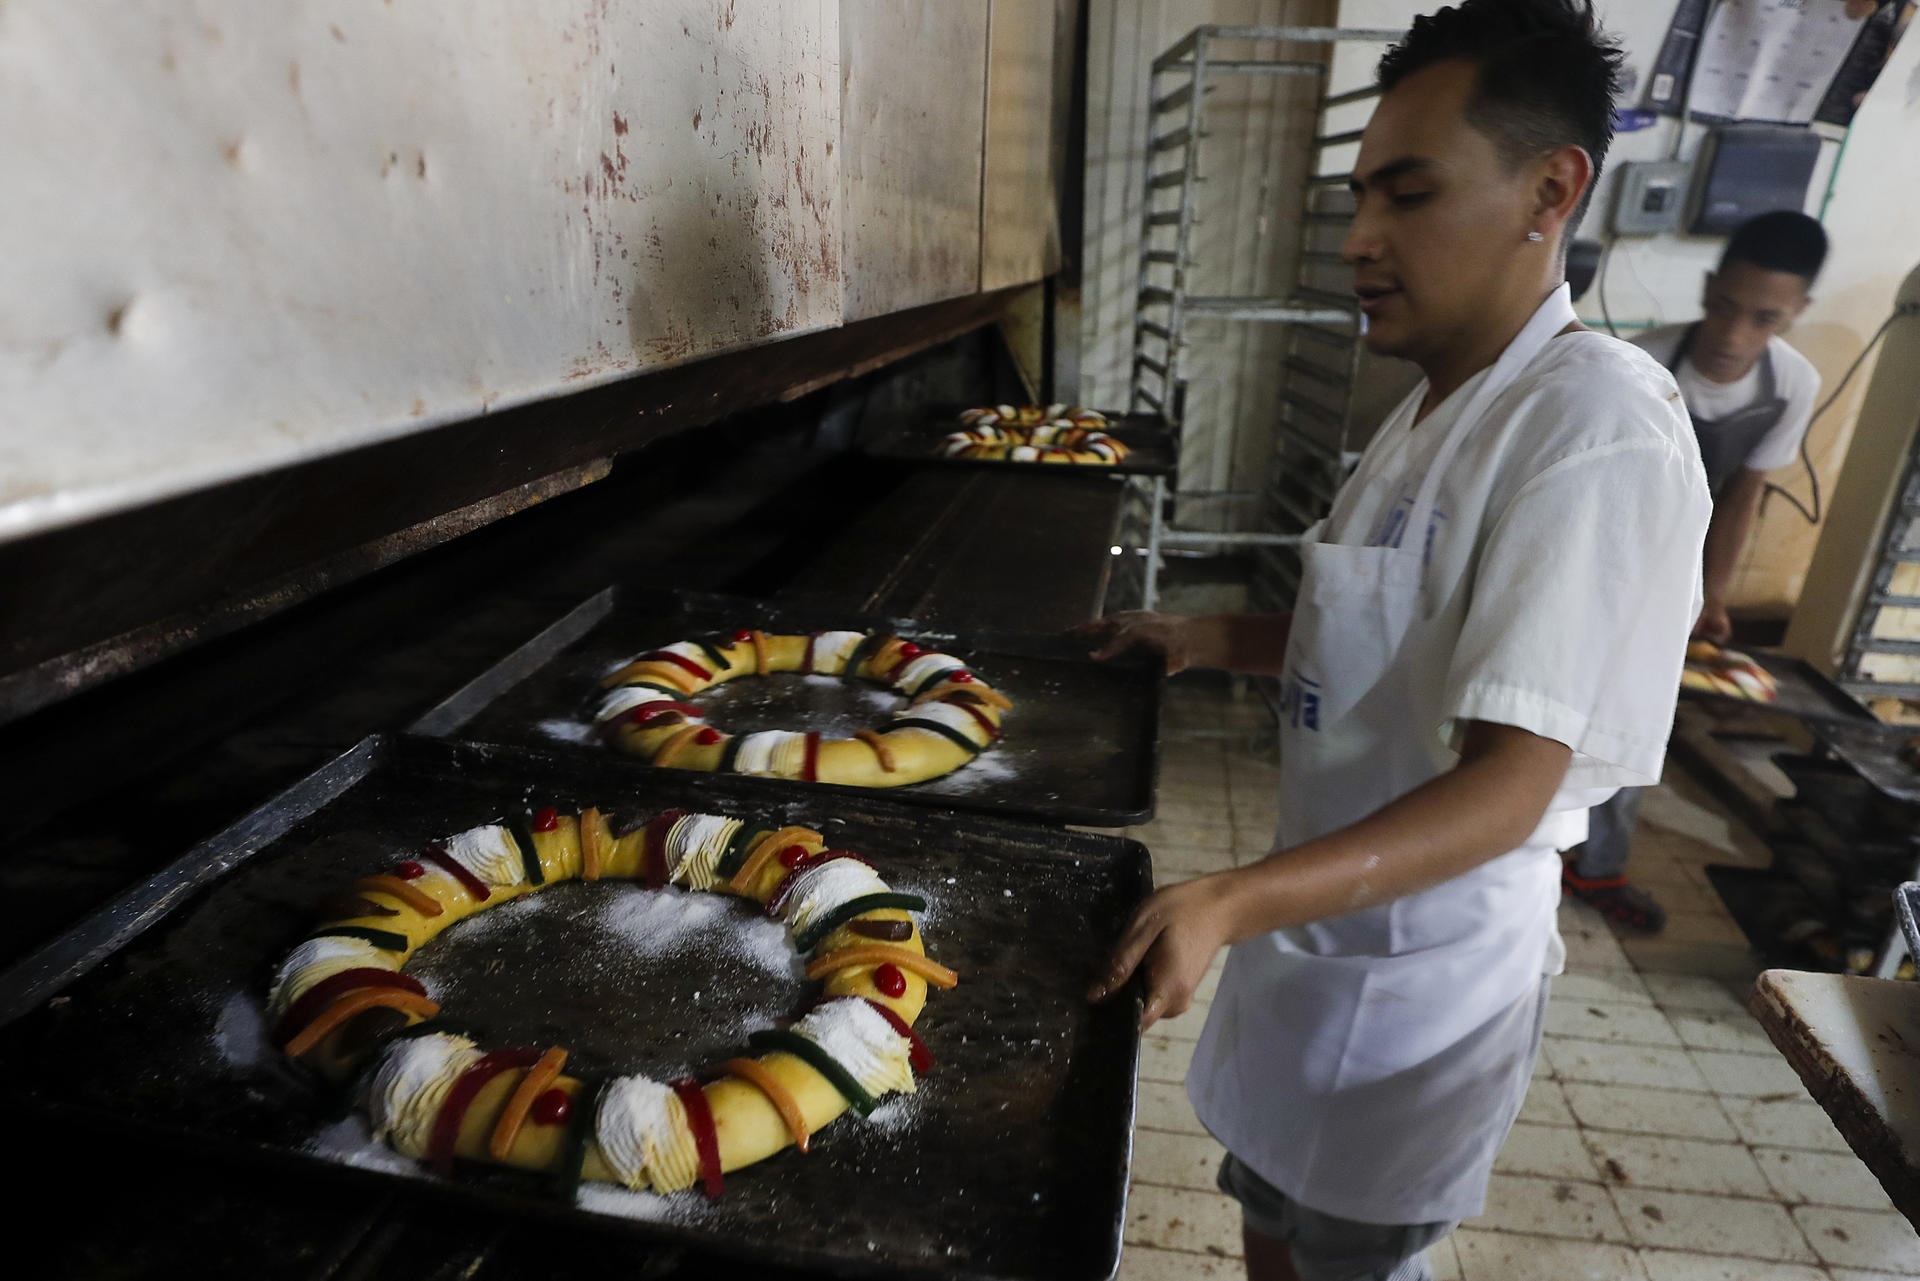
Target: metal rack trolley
(1312, 435)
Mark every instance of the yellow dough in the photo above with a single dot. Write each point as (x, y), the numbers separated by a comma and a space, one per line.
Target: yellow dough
(696, 852)
(951, 716)
(1728, 673)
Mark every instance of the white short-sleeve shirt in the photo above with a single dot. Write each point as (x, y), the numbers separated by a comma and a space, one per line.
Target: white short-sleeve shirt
(1563, 557)
(1794, 378)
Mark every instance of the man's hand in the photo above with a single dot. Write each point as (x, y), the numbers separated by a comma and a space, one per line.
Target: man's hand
(1713, 624)
(1136, 630)
(1172, 939)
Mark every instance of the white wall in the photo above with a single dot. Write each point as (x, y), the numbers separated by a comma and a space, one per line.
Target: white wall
(237, 235)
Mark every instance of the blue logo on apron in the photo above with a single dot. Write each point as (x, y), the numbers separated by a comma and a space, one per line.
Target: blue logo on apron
(1300, 702)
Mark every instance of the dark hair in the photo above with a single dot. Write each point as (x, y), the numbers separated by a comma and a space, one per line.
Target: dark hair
(1547, 74)
(1784, 240)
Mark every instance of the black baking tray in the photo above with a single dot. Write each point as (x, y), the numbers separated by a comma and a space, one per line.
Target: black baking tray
(1010, 1162)
(1805, 692)
(1872, 750)
(1081, 744)
(1153, 448)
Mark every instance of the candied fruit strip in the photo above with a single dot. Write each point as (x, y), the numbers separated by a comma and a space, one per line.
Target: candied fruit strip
(877, 953)
(354, 1003)
(535, 1083)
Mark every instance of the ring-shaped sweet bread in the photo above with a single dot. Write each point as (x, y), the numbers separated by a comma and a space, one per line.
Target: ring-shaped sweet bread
(342, 996)
(1043, 444)
(950, 717)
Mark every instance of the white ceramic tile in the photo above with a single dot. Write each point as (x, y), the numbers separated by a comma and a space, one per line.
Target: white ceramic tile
(1685, 1165)
(1162, 1058)
(1552, 1151)
(1608, 1021)
(1184, 1028)
(1176, 812)
(1545, 1104)
(1592, 946)
(1549, 1207)
(1647, 1111)
(1667, 810)
(1606, 1063)
(1587, 984)
(1163, 1106)
(1144, 1263)
(1859, 1239)
(1184, 835)
(1710, 926)
(1670, 956)
(1678, 887)
(1711, 1224)
(1183, 1219)
(1511, 1256)
(1822, 1178)
(1176, 1160)
(1785, 1123)
(1856, 1274)
(1694, 993)
(1748, 1075)
(1443, 1261)
(1188, 858)
(1736, 1032)
(1661, 874)
(1676, 1265)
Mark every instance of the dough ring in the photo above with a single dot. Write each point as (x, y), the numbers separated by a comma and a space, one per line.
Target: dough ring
(951, 714)
(1727, 672)
(1032, 416)
(437, 1097)
(1041, 443)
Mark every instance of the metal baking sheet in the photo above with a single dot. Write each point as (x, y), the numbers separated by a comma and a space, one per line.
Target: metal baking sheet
(1154, 449)
(1805, 692)
(1906, 905)
(1011, 1161)
(1873, 751)
(1081, 745)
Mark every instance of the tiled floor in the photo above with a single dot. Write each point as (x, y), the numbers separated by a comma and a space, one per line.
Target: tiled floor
(1663, 1138)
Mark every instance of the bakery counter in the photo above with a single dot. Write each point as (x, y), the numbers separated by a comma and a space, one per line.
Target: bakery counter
(1855, 1043)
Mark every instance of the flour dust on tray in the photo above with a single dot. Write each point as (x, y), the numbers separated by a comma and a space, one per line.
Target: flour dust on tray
(343, 1002)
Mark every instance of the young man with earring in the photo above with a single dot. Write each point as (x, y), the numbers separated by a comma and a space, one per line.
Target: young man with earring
(1487, 641)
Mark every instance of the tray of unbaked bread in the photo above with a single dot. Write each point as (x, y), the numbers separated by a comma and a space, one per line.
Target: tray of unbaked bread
(1051, 437)
(1771, 682)
(1023, 726)
(623, 1001)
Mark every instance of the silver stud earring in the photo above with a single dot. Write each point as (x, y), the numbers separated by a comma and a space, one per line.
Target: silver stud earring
(1535, 237)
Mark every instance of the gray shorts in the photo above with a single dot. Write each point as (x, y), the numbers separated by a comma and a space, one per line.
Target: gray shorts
(1327, 1248)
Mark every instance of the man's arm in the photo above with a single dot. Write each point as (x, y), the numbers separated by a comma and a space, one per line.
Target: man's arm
(1733, 514)
(1482, 808)
(1252, 644)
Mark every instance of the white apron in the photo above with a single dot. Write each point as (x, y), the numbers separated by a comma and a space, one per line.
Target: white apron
(1370, 1065)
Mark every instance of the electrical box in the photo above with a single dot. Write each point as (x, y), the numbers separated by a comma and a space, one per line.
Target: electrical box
(1650, 197)
(1750, 169)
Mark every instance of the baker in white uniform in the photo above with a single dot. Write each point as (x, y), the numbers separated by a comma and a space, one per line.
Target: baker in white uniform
(1487, 641)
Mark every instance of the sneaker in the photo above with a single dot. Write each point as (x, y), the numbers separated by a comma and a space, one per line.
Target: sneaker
(1617, 901)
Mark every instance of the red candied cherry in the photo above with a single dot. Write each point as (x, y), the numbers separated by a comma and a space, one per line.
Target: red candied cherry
(411, 871)
(708, 736)
(961, 678)
(546, 820)
(743, 637)
(911, 650)
(552, 1108)
(890, 980)
(793, 856)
